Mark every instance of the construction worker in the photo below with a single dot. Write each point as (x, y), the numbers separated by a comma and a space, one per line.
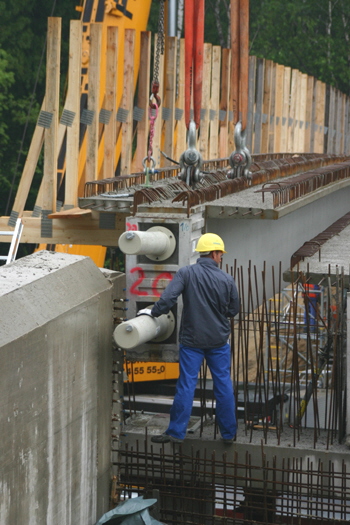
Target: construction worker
(209, 298)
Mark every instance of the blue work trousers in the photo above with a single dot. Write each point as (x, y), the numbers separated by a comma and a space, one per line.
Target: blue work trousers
(218, 360)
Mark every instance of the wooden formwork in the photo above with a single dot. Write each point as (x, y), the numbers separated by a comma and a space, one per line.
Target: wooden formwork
(108, 131)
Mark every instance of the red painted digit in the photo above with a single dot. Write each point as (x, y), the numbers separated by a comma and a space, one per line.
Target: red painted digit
(133, 288)
(164, 275)
(131, 227)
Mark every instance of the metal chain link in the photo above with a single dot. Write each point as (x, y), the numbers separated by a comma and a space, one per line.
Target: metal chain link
(160, 41)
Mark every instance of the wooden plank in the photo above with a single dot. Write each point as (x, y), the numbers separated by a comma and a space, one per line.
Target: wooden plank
(79, 230)
(308, 113)
(110, 103)
(278, 107)
(301, 114)
(343, 117)
(180, 104)
(331, 120)
(53, 57)
(91, 170)
(224, 102)
(28, 172)
(251, 102)
(215, 104)
(73, 104)
(259, 105)
(285, 110)
(71, 213)
(204, 124)
(292, 111)
(143, 94)
(243, 61)
(235, 60)
(169, 99)
(266, 107)
(339, 123)
(346, 148)
(128, 101)
(272, 116)
(320, 117)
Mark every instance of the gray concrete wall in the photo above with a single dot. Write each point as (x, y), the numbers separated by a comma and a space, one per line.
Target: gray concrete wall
(275, 241)
(55, 390)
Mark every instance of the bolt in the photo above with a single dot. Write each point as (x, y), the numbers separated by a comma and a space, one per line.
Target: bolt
(129, 328)
(130, 236)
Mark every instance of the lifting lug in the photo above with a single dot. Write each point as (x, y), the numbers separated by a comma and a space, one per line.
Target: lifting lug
(191, 160)
(240, 160)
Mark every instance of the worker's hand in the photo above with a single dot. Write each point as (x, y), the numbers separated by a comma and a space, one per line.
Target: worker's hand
(145, 311)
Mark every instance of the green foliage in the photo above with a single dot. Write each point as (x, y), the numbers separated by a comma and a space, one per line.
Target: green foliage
(312, 36)
(22, 79)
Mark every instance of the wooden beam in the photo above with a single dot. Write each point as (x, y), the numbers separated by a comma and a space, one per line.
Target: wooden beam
(53, 58)
(308, 114)
(292, 110)
(71, 213)
(180, 104)
(214, 105)
(259, 105)
(272, 112)
(143, 94)
(251, 102)
(79, 230)
(278, 107)
(224, 102)
(93, 106)
(128, 101)
(28, 172)
(169, 99)
(266, 107)
(73, 105)
(285, 110)
(204, 123)
(110, 102)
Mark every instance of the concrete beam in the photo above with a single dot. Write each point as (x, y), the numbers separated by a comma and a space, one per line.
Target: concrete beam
(55, 389)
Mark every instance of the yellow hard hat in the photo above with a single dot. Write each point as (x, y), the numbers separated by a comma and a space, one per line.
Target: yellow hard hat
(210, 242)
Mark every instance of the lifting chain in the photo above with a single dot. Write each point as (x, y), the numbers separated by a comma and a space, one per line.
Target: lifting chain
(191, 160)
(240, 160)
(155, 100)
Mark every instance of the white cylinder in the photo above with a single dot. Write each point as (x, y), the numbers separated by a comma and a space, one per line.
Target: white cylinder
(157, 243)
(144, 243)
(142, 329)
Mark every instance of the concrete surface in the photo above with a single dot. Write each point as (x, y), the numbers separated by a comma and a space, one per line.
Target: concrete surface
(274, 241)
(55, 390)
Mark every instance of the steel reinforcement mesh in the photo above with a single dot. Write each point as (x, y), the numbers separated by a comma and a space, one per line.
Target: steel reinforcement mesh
(208, 489)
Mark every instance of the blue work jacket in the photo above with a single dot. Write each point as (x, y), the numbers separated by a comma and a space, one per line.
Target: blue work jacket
(209, 298)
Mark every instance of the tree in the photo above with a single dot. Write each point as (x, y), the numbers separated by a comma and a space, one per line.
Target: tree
(312, 36)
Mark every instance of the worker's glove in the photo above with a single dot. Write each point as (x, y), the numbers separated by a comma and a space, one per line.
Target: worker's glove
(145, 311)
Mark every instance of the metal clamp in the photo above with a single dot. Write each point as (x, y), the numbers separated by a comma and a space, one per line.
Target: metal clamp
(240, 160)
(191, 161)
